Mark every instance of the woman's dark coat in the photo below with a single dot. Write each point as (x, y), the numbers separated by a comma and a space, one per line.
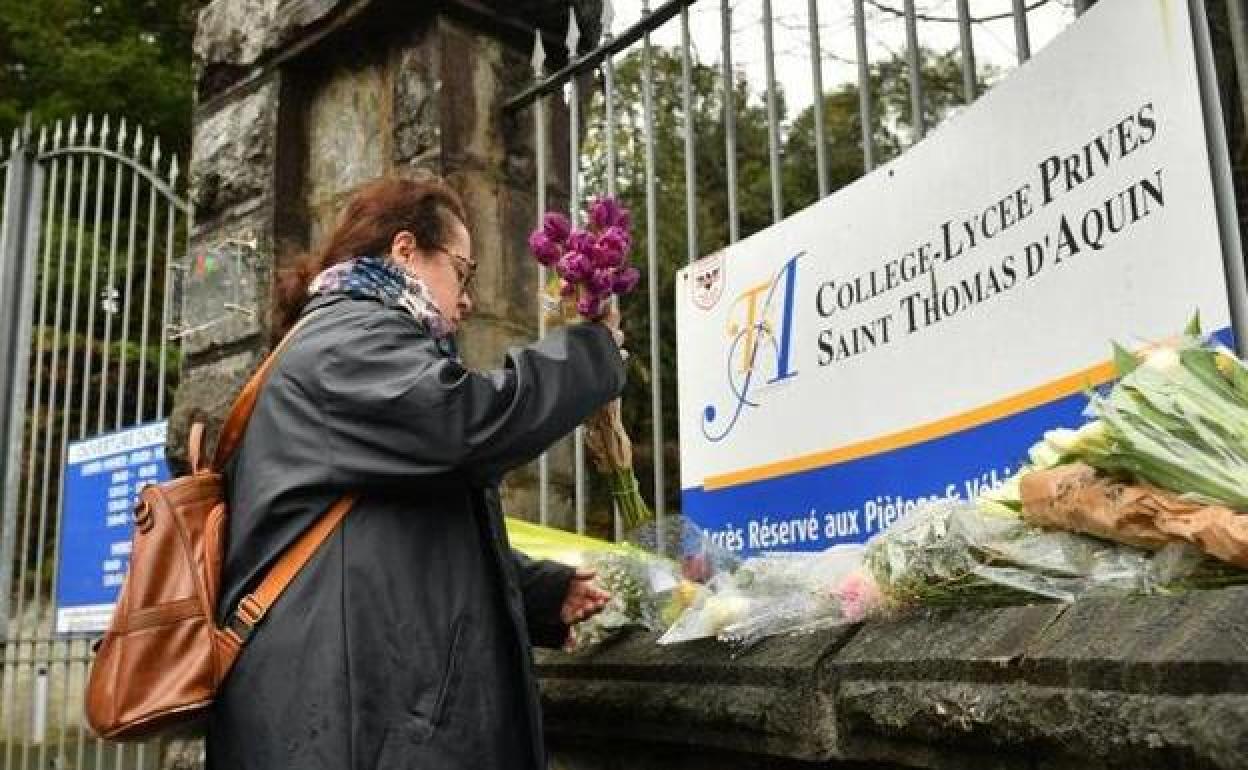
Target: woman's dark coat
(405, 641)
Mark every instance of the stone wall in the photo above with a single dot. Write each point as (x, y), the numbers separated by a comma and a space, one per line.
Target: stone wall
(302, 101)
(1145, 682)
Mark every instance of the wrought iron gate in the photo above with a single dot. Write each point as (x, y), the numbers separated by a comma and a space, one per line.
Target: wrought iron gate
(91, 231)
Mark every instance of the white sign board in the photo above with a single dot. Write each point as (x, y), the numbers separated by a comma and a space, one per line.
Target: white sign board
(910, 336)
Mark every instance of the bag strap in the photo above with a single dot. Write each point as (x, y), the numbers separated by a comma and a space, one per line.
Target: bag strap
(195, 447)
(240, 413)
(254, 606)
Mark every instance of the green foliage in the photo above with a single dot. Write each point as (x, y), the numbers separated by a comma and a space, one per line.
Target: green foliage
(122, 57)
(890, 122)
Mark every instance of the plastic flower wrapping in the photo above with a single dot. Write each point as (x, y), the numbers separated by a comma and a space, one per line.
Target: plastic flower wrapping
(778, 593)
(942, 555)
(648, 591)
(588, 270)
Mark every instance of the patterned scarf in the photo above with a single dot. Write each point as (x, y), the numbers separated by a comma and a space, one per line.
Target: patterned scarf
(381, 278)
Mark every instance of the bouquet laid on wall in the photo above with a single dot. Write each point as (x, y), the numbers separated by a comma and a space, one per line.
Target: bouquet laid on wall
(1164, 461)
(588, 270)
(648, 591)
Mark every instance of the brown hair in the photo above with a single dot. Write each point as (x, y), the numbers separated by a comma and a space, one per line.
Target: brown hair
(374, 215)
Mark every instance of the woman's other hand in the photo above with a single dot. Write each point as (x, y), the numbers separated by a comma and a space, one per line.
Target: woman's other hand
(585, 598)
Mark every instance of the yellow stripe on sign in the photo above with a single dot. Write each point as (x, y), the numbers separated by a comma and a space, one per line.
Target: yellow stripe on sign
(1020, 402)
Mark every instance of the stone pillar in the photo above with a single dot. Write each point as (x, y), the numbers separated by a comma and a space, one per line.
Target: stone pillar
(302, 101)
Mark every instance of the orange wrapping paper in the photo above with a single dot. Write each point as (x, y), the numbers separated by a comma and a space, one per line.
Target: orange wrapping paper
(1073, 497)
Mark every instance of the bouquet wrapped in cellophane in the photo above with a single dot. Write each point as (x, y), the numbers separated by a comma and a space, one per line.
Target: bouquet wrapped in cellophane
(954, 553)
(647, 591)
(588, 270)
(778, 593)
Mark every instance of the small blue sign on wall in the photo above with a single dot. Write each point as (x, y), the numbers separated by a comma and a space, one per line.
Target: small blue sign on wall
(103, 477)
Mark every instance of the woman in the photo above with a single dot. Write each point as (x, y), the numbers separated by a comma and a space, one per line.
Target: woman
(405, 641)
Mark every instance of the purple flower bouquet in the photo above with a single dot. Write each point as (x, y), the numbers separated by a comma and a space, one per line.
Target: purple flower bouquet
(588, 268)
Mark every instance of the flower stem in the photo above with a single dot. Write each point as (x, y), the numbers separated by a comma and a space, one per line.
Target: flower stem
(627, 495)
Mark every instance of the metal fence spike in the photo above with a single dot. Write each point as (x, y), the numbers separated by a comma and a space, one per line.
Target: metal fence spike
(43, 138)
(15, 141)
(539, 54)
(56, 136)
(173, 169)
(89, 132)
(773, 114)
(121, 136)
(608, 16)
(27, 129)
(816, 85)
(573, 39)
(138, 141)
(73, 129)
(156, 152)
(104, 131)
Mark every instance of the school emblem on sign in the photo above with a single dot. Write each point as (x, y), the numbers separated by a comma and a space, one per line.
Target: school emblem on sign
(708, 281)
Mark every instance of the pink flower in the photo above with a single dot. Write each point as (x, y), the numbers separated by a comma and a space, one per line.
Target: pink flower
(556, 226)
(604, 212)
(859, 596)
(600, 282)
(625, 280)
(544, 248)
(582, 241)
(605, 258)
(574, 266)
(619, 237)
(576, 253)
(611, 247)
(589, 306)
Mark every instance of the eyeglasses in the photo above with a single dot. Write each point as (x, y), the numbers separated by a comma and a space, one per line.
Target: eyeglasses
(465, 270)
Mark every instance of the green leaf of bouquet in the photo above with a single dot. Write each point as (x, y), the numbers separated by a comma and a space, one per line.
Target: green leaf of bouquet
(1193, 326)
(1203, 365)
(1239, 381)
(1124, 360)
